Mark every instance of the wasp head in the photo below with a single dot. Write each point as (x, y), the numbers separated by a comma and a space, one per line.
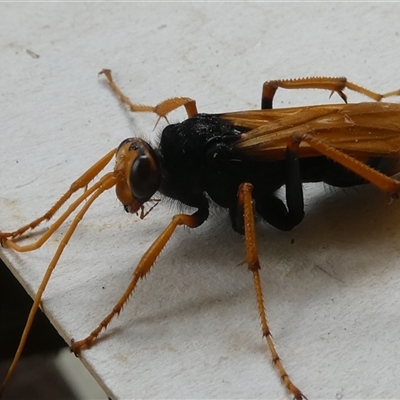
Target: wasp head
(138, 165)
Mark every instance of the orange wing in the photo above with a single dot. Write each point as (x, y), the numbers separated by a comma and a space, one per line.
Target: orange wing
(362, 130)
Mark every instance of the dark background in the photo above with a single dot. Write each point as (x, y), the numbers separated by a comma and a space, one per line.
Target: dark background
(36, 376)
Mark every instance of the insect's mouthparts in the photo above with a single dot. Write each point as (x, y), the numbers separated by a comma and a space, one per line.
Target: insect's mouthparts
(133, 207)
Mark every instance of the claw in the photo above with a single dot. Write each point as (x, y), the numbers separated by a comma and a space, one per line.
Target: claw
(340, 93)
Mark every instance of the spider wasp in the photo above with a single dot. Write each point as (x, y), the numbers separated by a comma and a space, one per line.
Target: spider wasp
(237, 160)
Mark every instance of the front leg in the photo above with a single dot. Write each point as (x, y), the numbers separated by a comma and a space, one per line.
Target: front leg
(7, 239)
(162, 109)
(142, 269)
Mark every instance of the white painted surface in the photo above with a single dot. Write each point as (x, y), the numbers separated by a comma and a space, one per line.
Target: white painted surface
(191, 330)
(80, 381)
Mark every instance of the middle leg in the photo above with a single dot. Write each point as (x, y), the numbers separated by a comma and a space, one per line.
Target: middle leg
(333, 84)
(245, 202)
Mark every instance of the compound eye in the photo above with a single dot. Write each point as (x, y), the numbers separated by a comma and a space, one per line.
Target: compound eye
(144, 176)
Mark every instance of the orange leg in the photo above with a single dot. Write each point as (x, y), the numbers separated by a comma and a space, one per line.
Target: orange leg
(7, 238)
(378, 179)
(144, 266)
(333, 84)
(106, 182)
(162, 109)
(246, 203)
